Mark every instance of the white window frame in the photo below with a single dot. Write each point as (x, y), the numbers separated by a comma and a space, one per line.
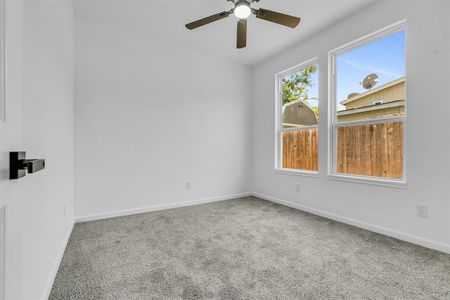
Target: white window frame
(278, 118)
(332, 120)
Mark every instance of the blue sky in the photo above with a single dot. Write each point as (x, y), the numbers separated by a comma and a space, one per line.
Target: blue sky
(384, 57)
(313, 92)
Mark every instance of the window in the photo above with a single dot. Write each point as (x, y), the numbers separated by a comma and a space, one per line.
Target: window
(297, 119)
(368, 105)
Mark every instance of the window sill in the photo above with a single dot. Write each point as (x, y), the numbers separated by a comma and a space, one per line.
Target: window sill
(400, 184)
(297, 172)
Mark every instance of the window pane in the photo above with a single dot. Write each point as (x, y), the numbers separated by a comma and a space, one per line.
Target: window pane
(371, 150)
(300, 149)
(300, 98)
(370, 84)
(370, 80)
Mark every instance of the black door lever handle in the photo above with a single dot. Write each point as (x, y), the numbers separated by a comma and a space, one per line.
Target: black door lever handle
(19, 165)
(34, 165)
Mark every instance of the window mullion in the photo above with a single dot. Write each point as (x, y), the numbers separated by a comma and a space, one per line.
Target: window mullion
(370, 121)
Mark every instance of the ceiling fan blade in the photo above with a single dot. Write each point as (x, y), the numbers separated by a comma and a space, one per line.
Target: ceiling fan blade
(276, 17)
(208, 20)
(241, 41)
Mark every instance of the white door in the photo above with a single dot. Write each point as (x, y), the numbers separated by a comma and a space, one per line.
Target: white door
(10, 140)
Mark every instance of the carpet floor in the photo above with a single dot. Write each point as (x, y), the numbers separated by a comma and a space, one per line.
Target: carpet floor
(246, 248)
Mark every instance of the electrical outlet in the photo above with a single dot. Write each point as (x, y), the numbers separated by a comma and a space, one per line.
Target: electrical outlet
(422, 211)
(188, 186)
(297, 188)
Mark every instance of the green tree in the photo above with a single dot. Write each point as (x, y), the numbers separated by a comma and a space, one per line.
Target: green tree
(296, 87)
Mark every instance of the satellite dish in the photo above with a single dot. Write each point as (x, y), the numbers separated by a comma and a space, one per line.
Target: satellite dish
(370, 81)
(352, 95)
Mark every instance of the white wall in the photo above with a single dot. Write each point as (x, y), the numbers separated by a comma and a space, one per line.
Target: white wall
(39, 116)
(141, 133)
(384, 209)
(151, 117)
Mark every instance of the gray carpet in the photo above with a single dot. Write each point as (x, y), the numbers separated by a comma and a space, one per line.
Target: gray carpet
(243, 249)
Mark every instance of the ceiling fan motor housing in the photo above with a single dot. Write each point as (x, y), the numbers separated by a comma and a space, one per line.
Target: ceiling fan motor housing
(245, 1)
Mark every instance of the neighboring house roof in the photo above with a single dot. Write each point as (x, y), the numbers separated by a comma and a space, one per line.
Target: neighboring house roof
(392, 104)
(372, 91)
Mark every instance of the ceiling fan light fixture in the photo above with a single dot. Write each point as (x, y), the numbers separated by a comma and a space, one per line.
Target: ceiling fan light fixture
(242, 10)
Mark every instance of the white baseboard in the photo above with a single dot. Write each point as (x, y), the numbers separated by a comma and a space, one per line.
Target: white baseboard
(51, 280)
(140, 210)
(361, 224)
(371, 227)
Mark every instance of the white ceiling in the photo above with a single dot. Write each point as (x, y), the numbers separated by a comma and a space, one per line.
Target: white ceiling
(164, 20)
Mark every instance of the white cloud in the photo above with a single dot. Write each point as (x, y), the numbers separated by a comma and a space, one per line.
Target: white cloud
(369, 69)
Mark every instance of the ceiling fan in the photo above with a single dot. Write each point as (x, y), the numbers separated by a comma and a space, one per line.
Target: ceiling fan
(242, 10)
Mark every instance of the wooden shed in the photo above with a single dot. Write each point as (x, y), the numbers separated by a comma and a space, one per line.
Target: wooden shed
(298, 114)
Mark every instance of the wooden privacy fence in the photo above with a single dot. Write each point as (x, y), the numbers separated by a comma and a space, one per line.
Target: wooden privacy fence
(370, 150)
(300, 149)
